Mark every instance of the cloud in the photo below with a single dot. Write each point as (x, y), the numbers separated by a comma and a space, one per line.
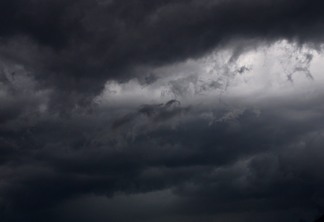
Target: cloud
(267, 163)
(81, 44)
(168, 110)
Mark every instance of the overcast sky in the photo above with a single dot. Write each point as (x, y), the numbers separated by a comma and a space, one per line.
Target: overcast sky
(161, 110)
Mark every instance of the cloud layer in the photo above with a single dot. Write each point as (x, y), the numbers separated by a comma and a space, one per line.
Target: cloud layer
(161, 111)
(77, 45)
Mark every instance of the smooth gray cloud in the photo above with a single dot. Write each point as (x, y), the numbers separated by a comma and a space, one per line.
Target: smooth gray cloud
(264, 163)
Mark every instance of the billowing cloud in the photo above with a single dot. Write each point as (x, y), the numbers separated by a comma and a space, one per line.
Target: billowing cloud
(161, 110)
(76, 45)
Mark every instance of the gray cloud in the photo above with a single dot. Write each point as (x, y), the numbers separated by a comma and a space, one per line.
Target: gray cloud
(64, 157)
(77, 45)
(266, 163)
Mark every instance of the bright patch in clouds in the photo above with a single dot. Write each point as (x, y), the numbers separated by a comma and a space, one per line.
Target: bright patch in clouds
(279, 70)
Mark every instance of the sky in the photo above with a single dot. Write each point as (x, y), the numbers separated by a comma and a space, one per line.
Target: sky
(161, 111)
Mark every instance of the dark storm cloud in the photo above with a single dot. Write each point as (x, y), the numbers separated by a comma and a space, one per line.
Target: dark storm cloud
(267, 163)
(156, 112)
(83, 43)
(57, 55)
(45, 21)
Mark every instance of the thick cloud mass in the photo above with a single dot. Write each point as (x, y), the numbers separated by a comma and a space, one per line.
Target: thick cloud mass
(200, 110)
(77, 45)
